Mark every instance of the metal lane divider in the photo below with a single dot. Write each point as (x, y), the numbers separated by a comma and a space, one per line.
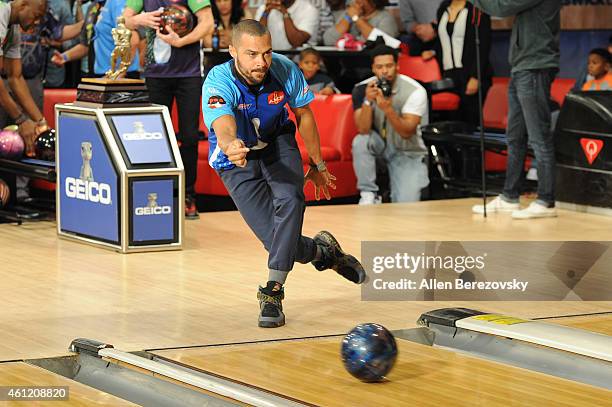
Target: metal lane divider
(190, 378)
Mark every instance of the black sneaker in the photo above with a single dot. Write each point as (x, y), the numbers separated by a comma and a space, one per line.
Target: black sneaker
(271, 308)
(191, 210)
(333, 257)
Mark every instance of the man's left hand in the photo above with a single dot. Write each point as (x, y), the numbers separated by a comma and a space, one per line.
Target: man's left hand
(172, 38)
(472, 87)
(383, 103)
(322, 181)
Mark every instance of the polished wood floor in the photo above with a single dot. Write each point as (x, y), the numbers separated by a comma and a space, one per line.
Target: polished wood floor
(22, 374)
(595, 323)
(312, 371)
(55, 290)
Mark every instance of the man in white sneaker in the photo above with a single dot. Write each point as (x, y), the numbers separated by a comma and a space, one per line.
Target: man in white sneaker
(389, 130)
(534, 57)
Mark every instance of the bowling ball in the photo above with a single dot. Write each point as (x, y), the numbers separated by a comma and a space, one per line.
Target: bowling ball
(179, 18)
(45, 146)
(5, 193)
(369, 352)
(11, 145)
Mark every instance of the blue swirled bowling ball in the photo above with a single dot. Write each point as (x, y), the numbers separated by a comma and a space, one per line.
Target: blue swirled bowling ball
(369, 352)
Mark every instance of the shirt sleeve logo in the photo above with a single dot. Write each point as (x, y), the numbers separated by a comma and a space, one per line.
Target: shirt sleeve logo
(215, 102)
(276, 97)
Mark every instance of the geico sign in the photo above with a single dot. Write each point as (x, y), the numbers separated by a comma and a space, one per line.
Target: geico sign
(143, 136)
(88, 191)
(156, 210)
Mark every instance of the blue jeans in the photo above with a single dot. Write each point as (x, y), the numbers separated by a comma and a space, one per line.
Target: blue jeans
(529, 115)
(407, 170)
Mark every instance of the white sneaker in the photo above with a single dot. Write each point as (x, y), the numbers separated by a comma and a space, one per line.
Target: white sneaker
(532, 174)
(369, 198)
(496, 205)
(535, 210)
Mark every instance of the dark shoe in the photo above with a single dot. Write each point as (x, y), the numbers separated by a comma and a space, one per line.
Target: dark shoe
(333, 257)
(191, 210)
(271, 307)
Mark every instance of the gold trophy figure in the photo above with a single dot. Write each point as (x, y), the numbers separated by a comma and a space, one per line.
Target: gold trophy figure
(123, 50)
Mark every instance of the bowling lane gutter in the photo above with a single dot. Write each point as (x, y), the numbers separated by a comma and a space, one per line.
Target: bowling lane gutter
(187, 368)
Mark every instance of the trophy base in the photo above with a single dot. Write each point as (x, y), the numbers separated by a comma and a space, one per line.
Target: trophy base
(103, 92)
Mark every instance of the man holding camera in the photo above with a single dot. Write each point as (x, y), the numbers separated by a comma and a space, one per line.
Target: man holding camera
(389, 110)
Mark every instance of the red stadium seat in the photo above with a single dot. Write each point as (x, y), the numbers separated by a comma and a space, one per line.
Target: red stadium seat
(53, 97)
(495, 109)
(428, 71)
(419, 69)
(561, 87)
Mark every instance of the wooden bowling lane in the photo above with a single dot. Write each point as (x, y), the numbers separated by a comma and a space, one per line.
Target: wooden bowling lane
(311, 371)
(23, 374)
(600, 323)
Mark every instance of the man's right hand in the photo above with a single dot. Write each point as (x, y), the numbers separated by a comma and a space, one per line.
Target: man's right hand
(372, 91)
(427, 55)
(150, 19)
(272, 5)
(425, 32)
(353, 10)
(236, 152)
(57, 59)
(27, 130)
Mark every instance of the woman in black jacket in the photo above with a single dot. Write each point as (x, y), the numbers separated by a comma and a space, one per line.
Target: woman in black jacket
(455, 49)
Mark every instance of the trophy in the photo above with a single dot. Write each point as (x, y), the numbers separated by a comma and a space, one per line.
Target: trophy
(113, 90)
(123, 50)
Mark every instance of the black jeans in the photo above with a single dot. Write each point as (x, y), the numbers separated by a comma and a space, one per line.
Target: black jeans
(187, 92)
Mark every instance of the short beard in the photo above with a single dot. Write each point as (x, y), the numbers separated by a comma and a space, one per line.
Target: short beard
(248, 78)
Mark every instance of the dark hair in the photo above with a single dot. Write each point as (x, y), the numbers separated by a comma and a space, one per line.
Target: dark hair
(382, 49)
(310, 51)
(235, 17)
(603, 53)
(250, 27)
(610, 40)
(380, 4)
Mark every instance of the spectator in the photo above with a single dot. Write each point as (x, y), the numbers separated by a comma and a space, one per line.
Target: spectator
(34, 53)
(456, 52)
(584, 76)
(329, 13)
(417, 17)
(226, 14)
(599, 69)
(359, 19)
(292, 23)
(19, 107)
(60, 10)
(100, 20)
(534, 58)
(310, 64)
(173, 70)
(389, 130)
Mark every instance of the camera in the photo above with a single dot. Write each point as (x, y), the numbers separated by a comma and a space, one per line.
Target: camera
(385, 86)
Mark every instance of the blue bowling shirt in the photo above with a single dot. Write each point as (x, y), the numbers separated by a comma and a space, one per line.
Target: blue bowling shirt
(259, 111)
